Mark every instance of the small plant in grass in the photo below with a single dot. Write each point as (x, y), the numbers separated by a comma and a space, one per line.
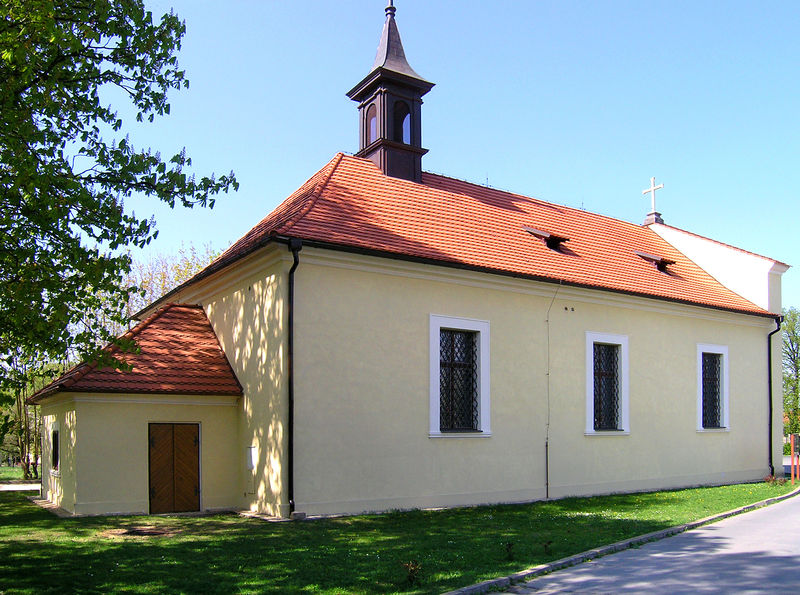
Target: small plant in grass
(773, 481)
(413, 569)
(546, 545)
(509, 547)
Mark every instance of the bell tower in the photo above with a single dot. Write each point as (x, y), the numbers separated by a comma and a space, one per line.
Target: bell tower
(390, 108)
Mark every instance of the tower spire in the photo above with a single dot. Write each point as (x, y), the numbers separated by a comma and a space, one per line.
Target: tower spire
(390, 107)
(390, 54)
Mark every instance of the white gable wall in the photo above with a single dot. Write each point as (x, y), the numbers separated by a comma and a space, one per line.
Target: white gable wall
(754, 277)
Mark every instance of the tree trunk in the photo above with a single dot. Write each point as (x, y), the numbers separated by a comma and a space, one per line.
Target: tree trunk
(23, 434)
(36, 440)
(794, 423)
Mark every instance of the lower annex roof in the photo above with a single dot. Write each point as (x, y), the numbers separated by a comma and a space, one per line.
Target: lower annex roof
(179, 354)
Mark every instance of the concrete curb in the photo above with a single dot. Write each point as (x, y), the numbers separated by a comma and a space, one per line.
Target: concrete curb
(531, 573)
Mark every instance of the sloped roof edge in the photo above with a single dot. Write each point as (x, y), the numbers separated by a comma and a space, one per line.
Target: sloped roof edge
(233, 255)
(67, 382)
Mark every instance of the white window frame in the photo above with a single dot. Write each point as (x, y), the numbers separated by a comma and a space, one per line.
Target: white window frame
(624, 394)
(724, 389)
(438, 322)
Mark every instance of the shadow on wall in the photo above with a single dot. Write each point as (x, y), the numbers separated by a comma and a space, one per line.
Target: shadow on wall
(249, 323)
(68, 466)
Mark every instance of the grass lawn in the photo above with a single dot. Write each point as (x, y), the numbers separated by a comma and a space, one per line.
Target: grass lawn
(40, 553)
(10, 474)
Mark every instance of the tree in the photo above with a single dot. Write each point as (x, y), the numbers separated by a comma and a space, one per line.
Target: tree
(5, 425)
(791, 369)
(65, 169)
(161, 273)
(21, 421)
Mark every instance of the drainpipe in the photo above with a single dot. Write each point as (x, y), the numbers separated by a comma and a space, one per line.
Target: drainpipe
(547, 426)
(295, 245)
(778, 321)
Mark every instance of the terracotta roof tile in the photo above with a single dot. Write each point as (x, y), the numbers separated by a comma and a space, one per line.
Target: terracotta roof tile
(350, 203)
(179, 354)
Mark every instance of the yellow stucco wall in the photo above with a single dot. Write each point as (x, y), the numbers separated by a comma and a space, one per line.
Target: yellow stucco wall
(362, 404)
(105, 458)
(58, 486)
(362, 390)
(248, 312)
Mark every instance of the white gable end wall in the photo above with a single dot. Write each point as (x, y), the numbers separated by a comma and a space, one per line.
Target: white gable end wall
(754, 277)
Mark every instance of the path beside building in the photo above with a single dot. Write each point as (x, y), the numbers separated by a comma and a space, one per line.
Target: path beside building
(757, 552)
(19, 487)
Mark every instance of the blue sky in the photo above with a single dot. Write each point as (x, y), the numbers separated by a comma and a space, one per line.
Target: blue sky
(573, 102)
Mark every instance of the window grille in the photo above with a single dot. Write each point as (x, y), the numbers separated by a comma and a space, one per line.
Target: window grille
(458, 381)
(712, 390)
(606, 387)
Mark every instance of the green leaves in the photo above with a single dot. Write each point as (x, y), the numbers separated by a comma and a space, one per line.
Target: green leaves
(62, 221)
(791, 370)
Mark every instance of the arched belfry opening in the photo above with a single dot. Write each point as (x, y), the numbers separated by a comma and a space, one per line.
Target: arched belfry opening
(371, 126)
(390, 108)
(401, 123)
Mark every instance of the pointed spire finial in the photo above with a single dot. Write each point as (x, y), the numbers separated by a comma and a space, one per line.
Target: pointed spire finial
(390, 107)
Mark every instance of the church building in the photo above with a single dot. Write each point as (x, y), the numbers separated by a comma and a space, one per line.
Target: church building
(389, 338)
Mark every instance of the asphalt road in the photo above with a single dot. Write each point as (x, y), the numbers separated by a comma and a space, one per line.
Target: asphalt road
(755, 552)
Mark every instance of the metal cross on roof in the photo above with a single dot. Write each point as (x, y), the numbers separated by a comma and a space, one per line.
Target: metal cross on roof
(653, 216)
(652, 191)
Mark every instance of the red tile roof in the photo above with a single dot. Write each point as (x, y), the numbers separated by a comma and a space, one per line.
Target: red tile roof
(349, 204)
(179, 354)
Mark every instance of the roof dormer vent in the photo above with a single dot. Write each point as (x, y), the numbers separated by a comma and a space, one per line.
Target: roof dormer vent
(551, 240)
(660, 262)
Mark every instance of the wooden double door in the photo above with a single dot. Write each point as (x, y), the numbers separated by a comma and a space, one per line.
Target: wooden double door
(174, 467)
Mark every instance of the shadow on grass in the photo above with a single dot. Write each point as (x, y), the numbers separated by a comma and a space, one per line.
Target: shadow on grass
(40, 553)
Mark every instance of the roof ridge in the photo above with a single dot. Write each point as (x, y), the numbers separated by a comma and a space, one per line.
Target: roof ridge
(315, 193)
(533, 198)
